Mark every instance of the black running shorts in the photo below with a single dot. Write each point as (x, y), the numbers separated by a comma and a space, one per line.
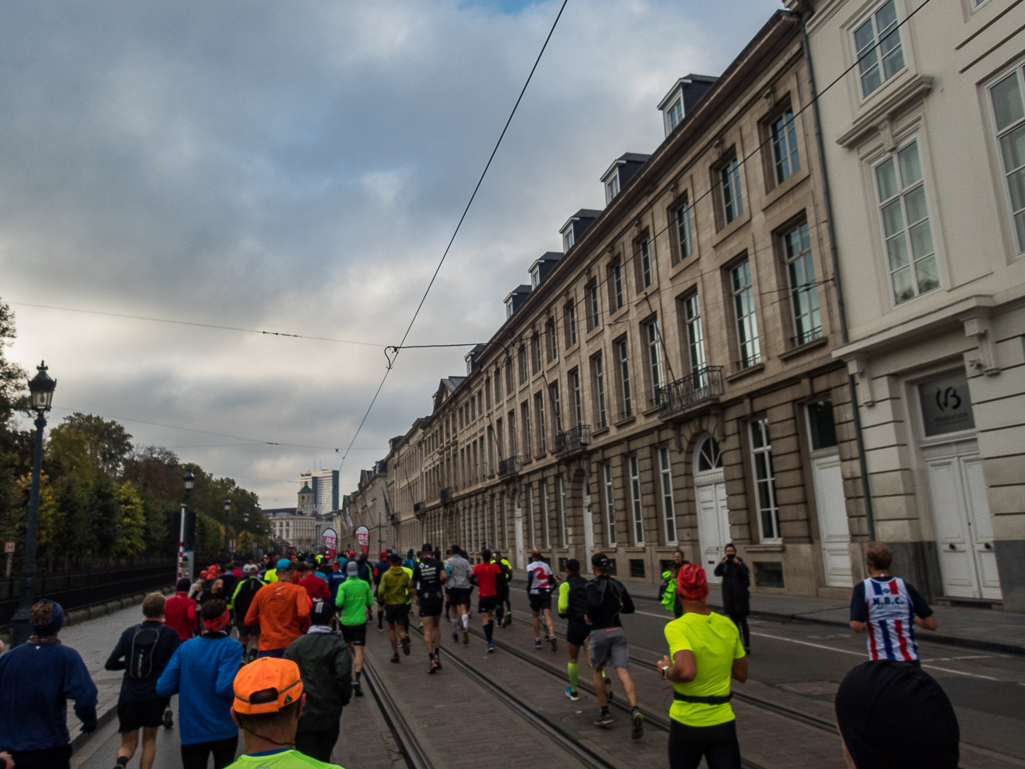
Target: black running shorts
(459, 596)
(487, 603)
(355, 634)
(577, 632)
(540, 601)
(133, 716)
(431, 607)
(396, 613)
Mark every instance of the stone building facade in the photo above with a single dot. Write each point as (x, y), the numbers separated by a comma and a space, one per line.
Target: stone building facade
(926, 128)
(668, 381)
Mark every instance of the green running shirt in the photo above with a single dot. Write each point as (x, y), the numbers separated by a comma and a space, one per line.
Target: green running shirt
(280, 759)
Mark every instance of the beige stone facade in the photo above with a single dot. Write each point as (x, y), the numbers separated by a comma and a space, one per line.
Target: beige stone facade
(669, 382)
(923, 140)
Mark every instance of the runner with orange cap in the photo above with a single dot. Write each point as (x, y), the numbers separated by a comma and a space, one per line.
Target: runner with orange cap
(705, 652)
(269, 701)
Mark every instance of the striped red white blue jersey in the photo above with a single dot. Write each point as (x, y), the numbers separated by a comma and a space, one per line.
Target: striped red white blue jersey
(888, 608)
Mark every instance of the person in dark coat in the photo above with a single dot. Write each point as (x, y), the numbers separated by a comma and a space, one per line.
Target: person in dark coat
(736, 596)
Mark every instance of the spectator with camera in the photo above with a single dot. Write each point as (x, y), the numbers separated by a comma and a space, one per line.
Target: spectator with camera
(736, 593)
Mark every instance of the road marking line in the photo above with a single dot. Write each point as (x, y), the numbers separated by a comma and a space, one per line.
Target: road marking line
(962, 673)
(862, 654)
(809, 643)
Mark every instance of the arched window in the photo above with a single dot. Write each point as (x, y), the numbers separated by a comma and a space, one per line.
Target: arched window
(707, 456)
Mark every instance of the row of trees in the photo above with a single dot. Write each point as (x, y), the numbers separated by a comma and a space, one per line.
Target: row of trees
(103, 499)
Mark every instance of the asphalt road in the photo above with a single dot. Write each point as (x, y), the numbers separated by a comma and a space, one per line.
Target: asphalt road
(986, 689)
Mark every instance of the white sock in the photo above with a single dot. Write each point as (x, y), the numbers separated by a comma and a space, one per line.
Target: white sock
(455, 623)
(466, 622)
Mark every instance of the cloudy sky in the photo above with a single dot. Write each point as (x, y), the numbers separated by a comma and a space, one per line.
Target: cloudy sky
(299, 167)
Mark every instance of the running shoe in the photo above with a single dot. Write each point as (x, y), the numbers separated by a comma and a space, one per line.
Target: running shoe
(537, 643)
(572, 694)
(395, 658)
(491, 648)
(405, 645)
(604, 719)
(168, 719)
(508, 620)
(638, 724)
(466, 637)
(434, 667)
(357, 688)
(555, 644)
(455, 637)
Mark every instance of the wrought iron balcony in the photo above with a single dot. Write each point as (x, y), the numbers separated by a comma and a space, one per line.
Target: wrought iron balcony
(507, 467)
(703, 385)
(446, 495)
(572, 440)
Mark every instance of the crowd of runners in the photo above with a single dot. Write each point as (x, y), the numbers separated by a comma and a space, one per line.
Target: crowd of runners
(274, 650)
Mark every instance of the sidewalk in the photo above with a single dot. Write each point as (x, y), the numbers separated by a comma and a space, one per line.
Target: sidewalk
(94, 639)
(984, 629)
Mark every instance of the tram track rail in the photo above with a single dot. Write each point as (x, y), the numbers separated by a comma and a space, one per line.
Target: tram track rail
(411, 748)
(758, 702)
(651, 718)
(808, 719)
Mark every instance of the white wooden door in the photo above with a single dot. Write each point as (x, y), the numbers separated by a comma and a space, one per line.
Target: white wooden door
(834, 532)
(981, 526)
(518, 523)
(588, 521)
(964, 531)
(713, 525)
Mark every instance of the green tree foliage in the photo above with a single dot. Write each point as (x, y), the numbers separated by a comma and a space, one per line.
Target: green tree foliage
(15, 445)
(131, 534)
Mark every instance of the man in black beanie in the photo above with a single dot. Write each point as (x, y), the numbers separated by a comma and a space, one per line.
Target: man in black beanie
(893, 715)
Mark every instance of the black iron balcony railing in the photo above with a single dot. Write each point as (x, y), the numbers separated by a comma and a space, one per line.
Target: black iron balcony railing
(572, 440)
(704, 384)
(507, 467)
(446, 495)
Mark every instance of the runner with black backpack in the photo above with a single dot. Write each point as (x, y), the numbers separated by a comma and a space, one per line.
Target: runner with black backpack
(241, 600)
(143, 652)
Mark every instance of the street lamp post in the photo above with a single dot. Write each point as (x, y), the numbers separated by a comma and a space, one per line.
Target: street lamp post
(190, 480)
(227, 509)
(41, 387)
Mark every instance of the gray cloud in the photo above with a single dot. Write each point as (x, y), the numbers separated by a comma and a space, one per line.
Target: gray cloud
(300, 167)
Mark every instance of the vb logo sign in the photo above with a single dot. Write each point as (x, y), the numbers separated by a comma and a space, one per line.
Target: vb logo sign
(948, 399)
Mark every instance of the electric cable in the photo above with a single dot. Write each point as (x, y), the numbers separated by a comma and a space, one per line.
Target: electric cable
(397, 348)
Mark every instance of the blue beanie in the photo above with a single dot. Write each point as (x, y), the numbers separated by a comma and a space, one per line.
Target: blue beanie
(284, 564)
(56, 619)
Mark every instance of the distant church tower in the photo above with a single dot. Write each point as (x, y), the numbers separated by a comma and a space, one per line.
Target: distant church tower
(306, 504)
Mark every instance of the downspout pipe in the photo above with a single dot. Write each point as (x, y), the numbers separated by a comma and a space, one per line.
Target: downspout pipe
(806, 12)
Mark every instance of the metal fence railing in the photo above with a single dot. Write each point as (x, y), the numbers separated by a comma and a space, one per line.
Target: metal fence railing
(77, 589)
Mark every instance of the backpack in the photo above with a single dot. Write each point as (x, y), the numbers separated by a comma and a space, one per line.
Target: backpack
(142, 652)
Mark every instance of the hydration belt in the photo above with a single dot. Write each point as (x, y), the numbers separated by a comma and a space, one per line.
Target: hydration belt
(721, 700)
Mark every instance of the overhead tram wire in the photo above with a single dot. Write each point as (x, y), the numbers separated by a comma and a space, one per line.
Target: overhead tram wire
(397, 348)
(251, 441)
(197, 324)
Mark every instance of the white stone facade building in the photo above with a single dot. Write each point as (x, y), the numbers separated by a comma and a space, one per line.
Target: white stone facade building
(924, 137)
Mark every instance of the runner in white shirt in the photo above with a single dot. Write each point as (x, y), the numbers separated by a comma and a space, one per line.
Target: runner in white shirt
(888, 608)
(459, 589)
(540, 582)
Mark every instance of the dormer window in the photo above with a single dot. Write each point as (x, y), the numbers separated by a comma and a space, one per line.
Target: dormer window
(674, 115)
(611, 188)
(567, 239)
(535, 277)
(508, 308)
